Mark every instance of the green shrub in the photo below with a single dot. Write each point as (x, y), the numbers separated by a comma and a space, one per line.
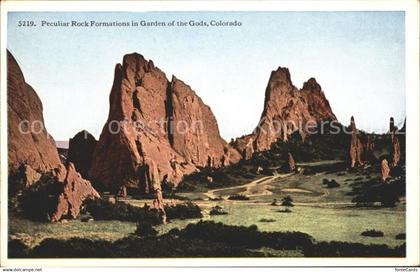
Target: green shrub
(400, 236)
(183, 211)
(238, 197)
(264, 220)
(248, 237)
(372, 233)
(367, 193)
(40, 200)
(344, 249)
(145, 229)
(104, 210)
(217, 210)
(165, 246)
(287, 201)
(331, 183)
(17, 249)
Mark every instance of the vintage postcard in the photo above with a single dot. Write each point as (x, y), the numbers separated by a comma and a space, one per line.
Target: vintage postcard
(209, 133)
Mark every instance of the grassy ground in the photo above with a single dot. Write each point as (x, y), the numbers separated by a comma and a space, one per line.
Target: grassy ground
(325, 213)
(32, 233)
(323, 223)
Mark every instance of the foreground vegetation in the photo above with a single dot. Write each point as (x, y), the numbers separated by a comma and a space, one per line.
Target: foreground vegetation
(203, 239)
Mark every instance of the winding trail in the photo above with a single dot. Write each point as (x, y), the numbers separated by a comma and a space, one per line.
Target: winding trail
(260, 187)
(261, 183)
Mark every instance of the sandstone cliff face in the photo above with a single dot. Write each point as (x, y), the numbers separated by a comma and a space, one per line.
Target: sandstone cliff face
(286, 110)
(76, 191)
(194, 133)
(356, 146)
(154, 120)
(33, 147)
(80, 152)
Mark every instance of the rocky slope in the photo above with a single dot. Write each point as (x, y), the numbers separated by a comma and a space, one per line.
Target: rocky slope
(28, 140)
(154, 120)
(286, 110)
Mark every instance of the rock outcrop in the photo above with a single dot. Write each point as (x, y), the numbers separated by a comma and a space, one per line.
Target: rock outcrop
(80, 152)
(75, 191)
(395, 143)
(356, 146)
(286, 110)
(385, 170)
(154, 119)
(30, 176)
(28, 140)
(291, 161)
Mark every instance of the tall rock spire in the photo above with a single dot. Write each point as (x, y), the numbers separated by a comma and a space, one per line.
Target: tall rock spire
(154, 120)
(356, 146)
(286, 110)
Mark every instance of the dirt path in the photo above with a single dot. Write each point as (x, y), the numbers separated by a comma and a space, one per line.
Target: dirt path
(260, 184)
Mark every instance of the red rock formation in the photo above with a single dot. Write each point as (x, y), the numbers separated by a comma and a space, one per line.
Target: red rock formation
(152, 119)
(385, 170)
(30, 176)
(195, 135)
(76, 191)
(28, 140)
(396, 150)
(80, 152)
(291, 161)
(286, 110)
(245, 145)
(356, 146)
(153, 180)
(60, 172)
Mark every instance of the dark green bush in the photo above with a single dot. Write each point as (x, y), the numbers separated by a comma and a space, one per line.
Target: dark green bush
(183, 211)
(332, 184)
(145, 229)
(264, 220)
(400, 236)
(367, 193)
(17, 249)
(217, 210)
(165, 246)
(344, 249)
(287, 201)
(238, 197)
(40, 200)
(372, 233)
(248, 237)
(104, 210)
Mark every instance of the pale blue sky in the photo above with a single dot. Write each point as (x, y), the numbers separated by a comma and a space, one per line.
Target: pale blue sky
(357, 57)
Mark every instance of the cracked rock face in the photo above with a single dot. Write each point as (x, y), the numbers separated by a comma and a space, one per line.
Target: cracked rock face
(76, 191)
(154, 119)
(28, 140)
(286, 110)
